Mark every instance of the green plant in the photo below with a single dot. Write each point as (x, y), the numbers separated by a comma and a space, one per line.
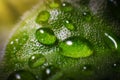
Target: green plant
(60, 40)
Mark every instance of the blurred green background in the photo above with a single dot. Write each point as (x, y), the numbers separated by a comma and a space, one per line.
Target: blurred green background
(10, 13)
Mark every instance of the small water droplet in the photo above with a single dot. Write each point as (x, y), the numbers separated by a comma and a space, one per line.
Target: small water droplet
(84, 13)
(87, 16)
(48, 72)
(36, 60)
(14, 48)
(21, 75)
(45, 36)
(76, 47)
(69, 25)
(114, 65)
(84, 67)
(54, 3)
(66, 7)
(43, 17)
(11, 42)
(112, 41)
(16, 40)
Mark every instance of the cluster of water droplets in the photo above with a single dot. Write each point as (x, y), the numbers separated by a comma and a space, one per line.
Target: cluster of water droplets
(73, 47)
(49, 36)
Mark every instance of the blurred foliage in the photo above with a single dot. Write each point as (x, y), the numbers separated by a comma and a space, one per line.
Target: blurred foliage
(10, 13)
(11, 10)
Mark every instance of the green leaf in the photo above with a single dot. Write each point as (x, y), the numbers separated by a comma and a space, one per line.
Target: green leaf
(81, 61)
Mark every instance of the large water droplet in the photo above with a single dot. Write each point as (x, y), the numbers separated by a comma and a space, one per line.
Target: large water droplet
(36, 60)
(66, 7)
(112, 41)
(43, 17)
(69, 25)
(45, 36)
(21, 75)
(76, 47)
(48, 72)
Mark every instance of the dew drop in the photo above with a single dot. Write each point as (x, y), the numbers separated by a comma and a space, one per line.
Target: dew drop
(36, 60)
(48, 72)
(43, 17)
(11, 42)
(84, 67)
(54, 3)
(84, 13)
(116, 66)
(87, 67)
(21, 75)
(87, 16)
(45, 36)
(69, 25)
(16, 40)
(112, 41)
(66, 7)
(75, 47)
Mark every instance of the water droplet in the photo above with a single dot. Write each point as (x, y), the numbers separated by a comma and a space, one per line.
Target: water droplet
(11, 42)
(84, 13)
(76, 47)
(48, 72)
(16, 40)
(43, 17)
(87, 16)
(69, 25)
(66, 7)
(116, 66)
(112, 41)
(54, 3)
(36, 60)
(21, 75)
(45, 36)
(84, 67)
(87, 67)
